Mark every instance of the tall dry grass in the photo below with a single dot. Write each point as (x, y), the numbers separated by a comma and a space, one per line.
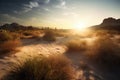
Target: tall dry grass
(5, 36)
(55, 67)
(105, 52)
(76, 45)
(8, 42)
(9, 46)
(49, 36)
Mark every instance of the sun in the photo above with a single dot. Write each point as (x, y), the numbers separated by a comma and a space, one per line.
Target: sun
(80, 26)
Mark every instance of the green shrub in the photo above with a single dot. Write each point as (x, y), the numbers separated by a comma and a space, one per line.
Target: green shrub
(55, 67)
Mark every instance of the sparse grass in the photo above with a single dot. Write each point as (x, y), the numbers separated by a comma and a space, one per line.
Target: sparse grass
(8, 41)
(5, 36)
(15, 36)
(106, 52)
(76, 45)
(30, 34)
(49, 36)
(55, 67)
(9, 46)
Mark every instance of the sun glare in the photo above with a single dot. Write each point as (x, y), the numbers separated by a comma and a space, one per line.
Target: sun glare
(80, 26)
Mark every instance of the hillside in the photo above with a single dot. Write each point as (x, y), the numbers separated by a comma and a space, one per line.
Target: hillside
(108, 24)
(16, 27)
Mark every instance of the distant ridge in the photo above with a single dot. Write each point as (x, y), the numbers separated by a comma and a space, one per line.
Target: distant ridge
(111, 22)
(16, 26)
(108, 24)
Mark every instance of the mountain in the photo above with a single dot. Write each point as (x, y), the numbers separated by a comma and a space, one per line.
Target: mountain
(108, 24)
(16, 26)
(111, 22)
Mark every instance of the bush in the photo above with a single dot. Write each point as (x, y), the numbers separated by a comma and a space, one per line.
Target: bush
(49, 36)
(15, 35)
(106, 52)
(5, 36)
(55, 67)
(76, 45)
(9, 46)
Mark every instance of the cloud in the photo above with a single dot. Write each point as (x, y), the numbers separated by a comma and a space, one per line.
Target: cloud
(61, 4)
(27, 7)
(46, 9)
(70, 14)
(24, 10)
(41, 4)
(47, 1)
(6, 18)
(31, 4)
(43, 1)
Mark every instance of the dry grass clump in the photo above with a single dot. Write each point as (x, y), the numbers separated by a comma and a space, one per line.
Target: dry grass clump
(55, 67)
(9, 46)
(76, 45)
(49, 36)
(105, 51)
(5, 36)
(30, 34)
(8, 42)
(16, 36)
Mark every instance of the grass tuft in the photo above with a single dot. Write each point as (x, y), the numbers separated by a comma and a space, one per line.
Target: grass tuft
(49, 36)
(76, 46)
(55, 67)
(105, 51)
(9, 46)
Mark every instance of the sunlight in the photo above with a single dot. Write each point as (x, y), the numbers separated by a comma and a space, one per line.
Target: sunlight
(90, 40)
(81, 26)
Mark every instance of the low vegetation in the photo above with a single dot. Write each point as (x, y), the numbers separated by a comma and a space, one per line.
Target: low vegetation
(76, 45)
(30, 34)
(55, 67)
(105, 51)
(9, 46)
(8, 42)
(49, 36)
(5, 36)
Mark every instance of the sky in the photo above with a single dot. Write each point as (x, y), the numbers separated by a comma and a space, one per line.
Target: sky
(58, 13)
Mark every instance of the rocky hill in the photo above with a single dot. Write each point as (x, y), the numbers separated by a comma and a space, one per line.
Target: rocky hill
(16, 26)
(109, 24)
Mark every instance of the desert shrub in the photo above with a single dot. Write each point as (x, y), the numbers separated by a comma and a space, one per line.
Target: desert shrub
(15, 35)
(31, 34)
(105, 51)
(5, 36)
(55, 67)
(76, 45)
(59, 33)
(27, 33)
(49, 36)
(9, 46)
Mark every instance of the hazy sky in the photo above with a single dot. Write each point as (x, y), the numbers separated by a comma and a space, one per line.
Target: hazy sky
(58, 13)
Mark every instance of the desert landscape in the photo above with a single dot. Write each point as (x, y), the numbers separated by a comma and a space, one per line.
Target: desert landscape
(59, 40)
(90, 55)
